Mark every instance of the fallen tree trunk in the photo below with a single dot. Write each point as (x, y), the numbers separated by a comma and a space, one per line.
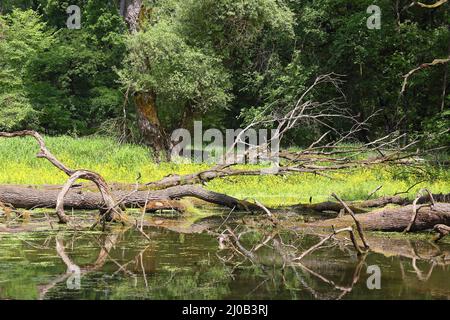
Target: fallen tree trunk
(362, 206)
(110, 211)
(394, 219)
(31, 198)
(222, 171)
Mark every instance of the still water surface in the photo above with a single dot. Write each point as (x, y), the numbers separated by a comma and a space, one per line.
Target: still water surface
(123, 265)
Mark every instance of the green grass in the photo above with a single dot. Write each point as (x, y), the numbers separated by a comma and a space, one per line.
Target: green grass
(122, 163)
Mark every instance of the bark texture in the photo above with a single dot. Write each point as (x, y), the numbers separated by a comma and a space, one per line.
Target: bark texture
(395, 219)
(362, 206)
(149, 125)
(29, 198)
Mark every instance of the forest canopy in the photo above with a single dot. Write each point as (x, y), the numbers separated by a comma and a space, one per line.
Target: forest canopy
(221, 61)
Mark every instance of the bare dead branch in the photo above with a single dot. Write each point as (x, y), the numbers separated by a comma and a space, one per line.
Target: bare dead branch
(431, 6)
(435, 62)
(358, 225)
(74, 175)
(416, 209)
(320, 243)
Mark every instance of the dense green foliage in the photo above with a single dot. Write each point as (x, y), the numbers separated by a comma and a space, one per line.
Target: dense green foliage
(223, 61)
(62, 79)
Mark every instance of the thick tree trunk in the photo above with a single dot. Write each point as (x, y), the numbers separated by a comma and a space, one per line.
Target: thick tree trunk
(146, 108)
(395, 219)
(150, 126)
(363, 206)
(130, 11)
(30, 198)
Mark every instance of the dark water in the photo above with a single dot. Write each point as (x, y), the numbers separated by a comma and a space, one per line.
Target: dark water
(123, 265)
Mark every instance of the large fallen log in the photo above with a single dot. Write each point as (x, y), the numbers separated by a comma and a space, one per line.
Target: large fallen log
(32, 198)
(362, 206)
(110, 210)
(395, 219)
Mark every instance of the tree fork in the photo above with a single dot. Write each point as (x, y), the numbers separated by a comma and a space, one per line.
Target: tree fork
(112, 211)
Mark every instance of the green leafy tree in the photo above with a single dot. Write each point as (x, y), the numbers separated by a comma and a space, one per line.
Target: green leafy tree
(23, 37)
(180, 76)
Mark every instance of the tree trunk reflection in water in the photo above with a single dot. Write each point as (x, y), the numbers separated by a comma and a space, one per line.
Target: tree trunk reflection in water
(106, 244)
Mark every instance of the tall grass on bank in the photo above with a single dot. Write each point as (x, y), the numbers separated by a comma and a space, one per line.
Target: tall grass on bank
(123, 163)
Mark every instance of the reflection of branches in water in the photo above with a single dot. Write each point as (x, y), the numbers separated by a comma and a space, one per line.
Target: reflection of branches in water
(283, 249)
(344, 290)
(277, 252)
(436, 258)
(419, 273)
(106, 245)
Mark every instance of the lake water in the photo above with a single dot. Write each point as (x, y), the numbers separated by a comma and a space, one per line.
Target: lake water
(173, 265)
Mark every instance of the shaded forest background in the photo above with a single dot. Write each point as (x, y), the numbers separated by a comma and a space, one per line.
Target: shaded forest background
(222, 61)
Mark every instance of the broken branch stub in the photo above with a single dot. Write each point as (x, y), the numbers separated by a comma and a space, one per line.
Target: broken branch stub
(442, 230)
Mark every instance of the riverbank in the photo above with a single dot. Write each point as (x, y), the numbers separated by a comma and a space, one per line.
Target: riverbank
(124, 163)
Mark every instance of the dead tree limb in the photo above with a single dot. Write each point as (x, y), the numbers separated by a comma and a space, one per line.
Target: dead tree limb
(43, 152)
(111, 210)
(435, 62)
(363, 206)
(416, 209)
(358, 225)
(309, 166)
(318, 158)
(30, 198)
(394, 219)
(433, 5)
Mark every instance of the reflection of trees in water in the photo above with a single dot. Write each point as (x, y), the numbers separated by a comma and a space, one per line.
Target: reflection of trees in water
(105, 246)
(419, 260)
(278, 255)
(261, 264)
(136, 278)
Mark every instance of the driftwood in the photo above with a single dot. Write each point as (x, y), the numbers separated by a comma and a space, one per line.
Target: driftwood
(30, 198)
(363, 206)
(442, 230)
(110, 204)
(395, 219)
(112, 211)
